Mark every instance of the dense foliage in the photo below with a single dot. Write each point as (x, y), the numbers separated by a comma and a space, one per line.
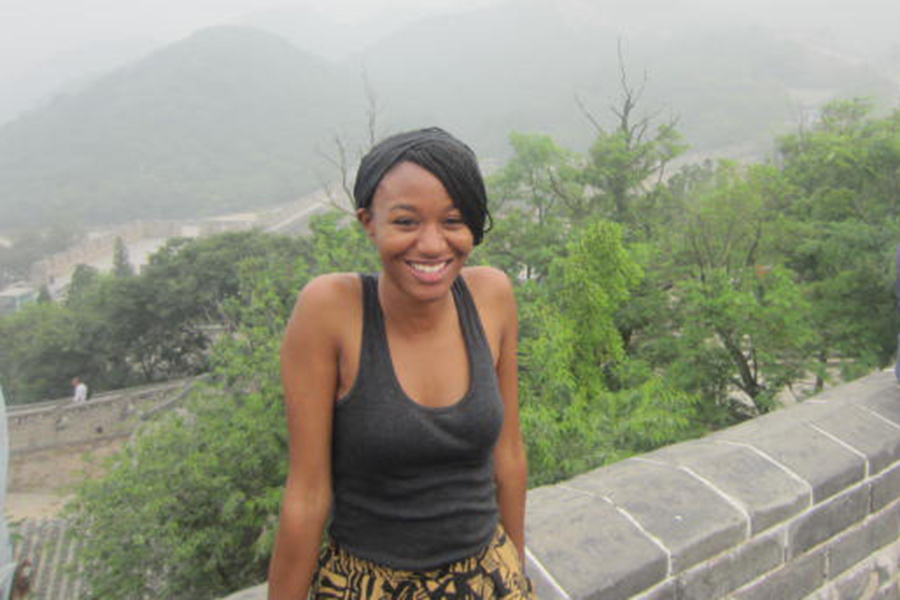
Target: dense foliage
(653, 308)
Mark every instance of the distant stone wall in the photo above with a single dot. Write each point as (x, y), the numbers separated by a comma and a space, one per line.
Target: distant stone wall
(801, 503)
(93, 249)
(62, 423)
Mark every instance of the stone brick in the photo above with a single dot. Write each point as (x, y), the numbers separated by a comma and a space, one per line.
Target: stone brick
(862, 541)
(885, 402)
(795, 579)
(767, 492)
(255, 593)
(826, 465)
(827, 592)
(827, 520)
(888, 592)
(664, 591)
(689, 518)
(865, 432)
(589, 547)
(544, 588)
(857, 583)
(885, 488)
(725, 573)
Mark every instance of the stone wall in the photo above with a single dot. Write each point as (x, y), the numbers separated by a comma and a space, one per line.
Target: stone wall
(801, 503)
(62, 423)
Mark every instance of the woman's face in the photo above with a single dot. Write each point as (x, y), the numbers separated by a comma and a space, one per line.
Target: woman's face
(420, 235)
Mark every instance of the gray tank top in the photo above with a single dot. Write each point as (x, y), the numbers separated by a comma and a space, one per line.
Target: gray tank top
(414, 485)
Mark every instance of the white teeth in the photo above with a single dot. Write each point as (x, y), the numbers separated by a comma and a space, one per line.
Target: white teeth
(428, 268)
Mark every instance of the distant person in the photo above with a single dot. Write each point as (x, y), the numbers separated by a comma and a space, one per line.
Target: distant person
(81, 391)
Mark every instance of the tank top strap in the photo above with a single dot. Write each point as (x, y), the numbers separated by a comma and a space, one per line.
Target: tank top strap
(372, 353)
(472, 328)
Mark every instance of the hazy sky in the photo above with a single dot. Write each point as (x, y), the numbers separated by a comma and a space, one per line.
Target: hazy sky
(35, 30)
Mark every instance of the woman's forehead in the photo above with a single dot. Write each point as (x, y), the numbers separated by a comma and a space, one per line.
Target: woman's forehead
(410, 184)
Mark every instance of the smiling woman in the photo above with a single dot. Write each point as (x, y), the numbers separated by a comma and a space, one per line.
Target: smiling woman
(402, 399)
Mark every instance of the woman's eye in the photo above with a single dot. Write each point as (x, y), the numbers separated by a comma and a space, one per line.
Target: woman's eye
(404, 222)
(454, 221)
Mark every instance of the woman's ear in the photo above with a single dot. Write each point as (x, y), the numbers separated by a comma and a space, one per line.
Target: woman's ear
(364, 216)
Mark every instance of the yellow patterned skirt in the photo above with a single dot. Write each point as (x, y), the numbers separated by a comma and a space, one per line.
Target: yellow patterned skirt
(495, 572)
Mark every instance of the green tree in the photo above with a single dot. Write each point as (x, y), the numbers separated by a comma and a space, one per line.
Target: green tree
(121, 263)
(574, 411)
(843, 230)
(626, 163)
(189, 508)
(528, 195)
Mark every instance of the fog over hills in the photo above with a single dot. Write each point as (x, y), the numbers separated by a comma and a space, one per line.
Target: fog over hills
(66, 73)
(226, 119)
(235, 117)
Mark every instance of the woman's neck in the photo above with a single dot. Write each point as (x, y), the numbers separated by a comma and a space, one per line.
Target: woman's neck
(409, 316)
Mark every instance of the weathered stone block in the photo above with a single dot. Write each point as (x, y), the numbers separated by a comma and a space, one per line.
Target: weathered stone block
(827, 520)
(857, 583)
(888, 592)
(862, 541)
(865, 432)
(544, 588)
(885, 402)
(589, 547)
(885, 488)
(255, 593)
(689, 518)
(795, 579)
(767, 492)
(716, 578)
(667, 590)
(825, 464)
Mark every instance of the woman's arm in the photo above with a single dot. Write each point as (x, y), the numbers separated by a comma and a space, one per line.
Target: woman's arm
(309, 367)
(510, 462)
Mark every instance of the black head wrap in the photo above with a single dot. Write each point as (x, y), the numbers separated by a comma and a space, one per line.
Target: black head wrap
(442, 155)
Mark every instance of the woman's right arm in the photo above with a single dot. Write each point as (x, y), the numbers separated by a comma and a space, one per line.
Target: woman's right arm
(309, 367)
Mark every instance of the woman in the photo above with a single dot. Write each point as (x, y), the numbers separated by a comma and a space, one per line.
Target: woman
(402, 399)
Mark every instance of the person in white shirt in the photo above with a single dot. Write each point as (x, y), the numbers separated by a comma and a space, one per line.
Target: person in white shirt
(80, 396)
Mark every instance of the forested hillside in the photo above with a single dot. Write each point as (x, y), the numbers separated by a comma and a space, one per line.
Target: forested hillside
(227, 119)
(234, 117)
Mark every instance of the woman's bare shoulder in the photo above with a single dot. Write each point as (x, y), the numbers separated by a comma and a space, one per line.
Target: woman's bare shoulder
(331, 287)
(324, 302)
(489, 283)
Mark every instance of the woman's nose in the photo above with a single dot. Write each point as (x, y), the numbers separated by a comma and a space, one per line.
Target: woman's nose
(431, 240)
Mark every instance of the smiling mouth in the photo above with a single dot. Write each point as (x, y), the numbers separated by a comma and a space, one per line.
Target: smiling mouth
(428, 267)
(429, 272)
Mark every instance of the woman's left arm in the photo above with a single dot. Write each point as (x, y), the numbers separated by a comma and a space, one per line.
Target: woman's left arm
(510, 461)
